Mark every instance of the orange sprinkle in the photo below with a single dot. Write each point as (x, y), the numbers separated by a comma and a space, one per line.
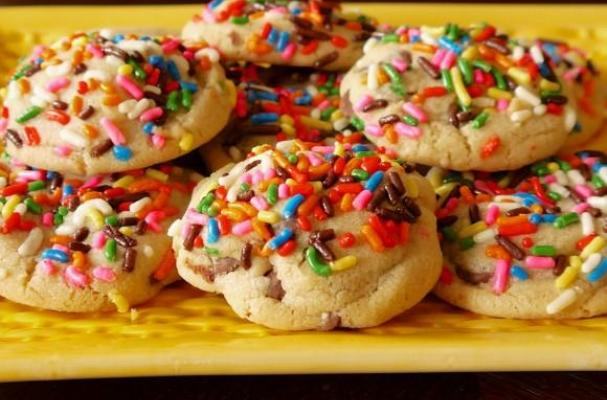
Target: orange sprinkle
(498, 252)
(90, 195)
(76, 105)
(467, 195)
(261, 229)
(372, 238)
(144, 185)
(346, 202)
(165, 267)
(63, 240)
(424, 48)
(505, 221)
(308, 205)
(111, 100)
(490, 147)
(79, 260)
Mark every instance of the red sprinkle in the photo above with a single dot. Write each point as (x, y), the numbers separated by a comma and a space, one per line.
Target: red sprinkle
(33, 138)
(347, 240)
(446, 276)
(490, 147)
(287, 248)
(583, 242)
(524, 228)
(527, 242)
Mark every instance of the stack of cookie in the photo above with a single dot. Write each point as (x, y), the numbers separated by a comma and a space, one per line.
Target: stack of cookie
(87, 194)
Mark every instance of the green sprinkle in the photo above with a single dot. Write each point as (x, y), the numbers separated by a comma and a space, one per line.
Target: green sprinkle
(367, 153)
(482, 65)
(540, 169)
(35, 185)
(566, 220)
(242, 20)
(397, 81)
(186, 99)
(500, 80)
(32, 206)
(452, 176)
(317, 265)
(449, 234)
(110, 250)
(409, 120)
(21, 73)
(138, 72)
(453, 32)
(546, 93)
(546, 251)
(466, 243)
(111, 220)
(173, 101)
(30, 113)
(480, 120)
(325, 115)
(447, 79)
(57, 219)
(323, 90)
(466, 69)
(597, 182)
(62, 211)
(273, 193)
(390, 38)
(212, 211)
(564, 165)
(358, 123)
(211, 251)
(244, 187)
(360, 174)
(292, 158)
(205, 203)
(554, 195)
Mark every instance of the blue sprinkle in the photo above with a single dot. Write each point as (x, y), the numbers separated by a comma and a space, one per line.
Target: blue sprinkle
(50, 175)
(519, 273)
(290, 208)
(535, 218)
(262, 95)
(148, 128)
(551, 50)
(213, 231)
(157, 61)
(189, 86)
(215, 3)
(122, 153)
(548, 218)
(303, 100)
(296, 11)
(449, 44)
(173, 71)
(599, 272)
(414, 39)
(374, 181)
(118, 38)
(465, 40)
(359, 147)
(273, 36)
(545, 70)
(283, 41)
(264, 118)
(68, 190)
(281, 238)
(55, 255)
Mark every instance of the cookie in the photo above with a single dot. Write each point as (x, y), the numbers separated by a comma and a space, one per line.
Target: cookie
(295, 241)
(90, 104)
(274, 104)
(529, 243)
(88, 244)
(304, 33)
(468, 98)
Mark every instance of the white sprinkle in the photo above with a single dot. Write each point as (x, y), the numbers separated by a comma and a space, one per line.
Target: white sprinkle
(174, 228)
(591, 263)
(21, 209)
(587, 224)
(527, 96)
(561, 190)
(81, 212)
(506, 206)
(341, 124)
(139, 204)
(540, 110)
(32, 243)
(153, 89)
(235, 153)
(560, 176)
(59, 69)
(312, 90)
(369, 44)
(564, 300)
(484, 236)
(148, 250)
(570, 118)
(598, 202)
(73, 138)
(65, 230)
(521, 116)
(506, 197)
(211, 54)
(603, 174)
(536, 54)
(127, 106)
(576, 177)
(140, 107)
(39, 101)
(427, 38)
(517, 53)
(315, 113)
(372, 82)
(126, 214)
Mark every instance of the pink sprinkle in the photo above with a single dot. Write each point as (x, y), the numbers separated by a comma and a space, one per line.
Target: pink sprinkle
(63, 150)
(158, 141)
(283, 191)
(401, 30)
(259, 203)
(374, 130)
(153, 219)
(451, 204)
(289, 51)
(399, 64)
(414, 32)
(449, 60)
(363, 102)
(502, 104)
(98, 240)
(590, 161)
(92, 182)
(362, 199)
(105, 274)
(492, 213)
(3, 125)
(539, 262)
(131, 87)
(580, 208)
(323, 149)
(57, 84)
(61, 247)
(186, 227)
(550, 179)
(115, 134)
(256, 177)
(269, 173)
(502, 269)
(170, 46)
(195, 217)
(208, 16)
(31, 175)
(47, 219)
(323, 105)
(583, 190)
(415, 111)
(94, 50)
(409, 131)
(246, 178)
(242, 228)
(572, 74)
(38, 50)
(76, 278)
(438, 57)
(479, 77)
(48, 267)
(151, 114)
(314, 159)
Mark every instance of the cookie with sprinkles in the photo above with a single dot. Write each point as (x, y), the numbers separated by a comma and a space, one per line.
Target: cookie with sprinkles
(470, 98)
(88, 244)
(312, 236)
(91, 104)
(297, 33)
(527, 244)
(273, 104)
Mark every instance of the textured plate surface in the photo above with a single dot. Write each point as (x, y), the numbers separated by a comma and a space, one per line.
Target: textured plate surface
(185, 332)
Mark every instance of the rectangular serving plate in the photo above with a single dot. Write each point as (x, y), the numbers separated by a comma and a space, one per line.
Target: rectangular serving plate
(185, 332)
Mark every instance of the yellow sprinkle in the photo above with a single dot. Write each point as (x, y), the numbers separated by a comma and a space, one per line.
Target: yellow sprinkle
(575, 261)
(187, 142)
(568, 276)
(124, 182)
(156, 174)
(10, 205)
(231, 89)
(316, 123)
(536, 208)
(80, 41)
(244, 207)
(286, 119)
(520, 76)
(552, 166)
(288, 129)
(269, 217)
(125, 69)
(595, 245)
(497, 94)
(233, 214)
(435, 176)
(121, 303)
(339, 149)
(343, 263)
(126, 230)
(96, 218)
(290, 182)
(472, 229)
(459, 87)
(470, 53)
(445, 189)
(317, 185)
(411, 187)
(336, 115)
(545, 84)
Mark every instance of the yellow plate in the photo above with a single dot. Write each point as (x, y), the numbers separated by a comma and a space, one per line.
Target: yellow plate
(185, 332)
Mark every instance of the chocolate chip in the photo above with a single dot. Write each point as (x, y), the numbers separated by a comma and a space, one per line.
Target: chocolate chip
(375, 105)
(275, 289)
(59, 105)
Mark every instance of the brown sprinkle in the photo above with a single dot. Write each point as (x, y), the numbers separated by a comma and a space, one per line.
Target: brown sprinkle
(429, 68)
(245, 255)
(101, 148)
(130, 256)
(326, 59)
(14, 137)
(508, 245)
(193, 232)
